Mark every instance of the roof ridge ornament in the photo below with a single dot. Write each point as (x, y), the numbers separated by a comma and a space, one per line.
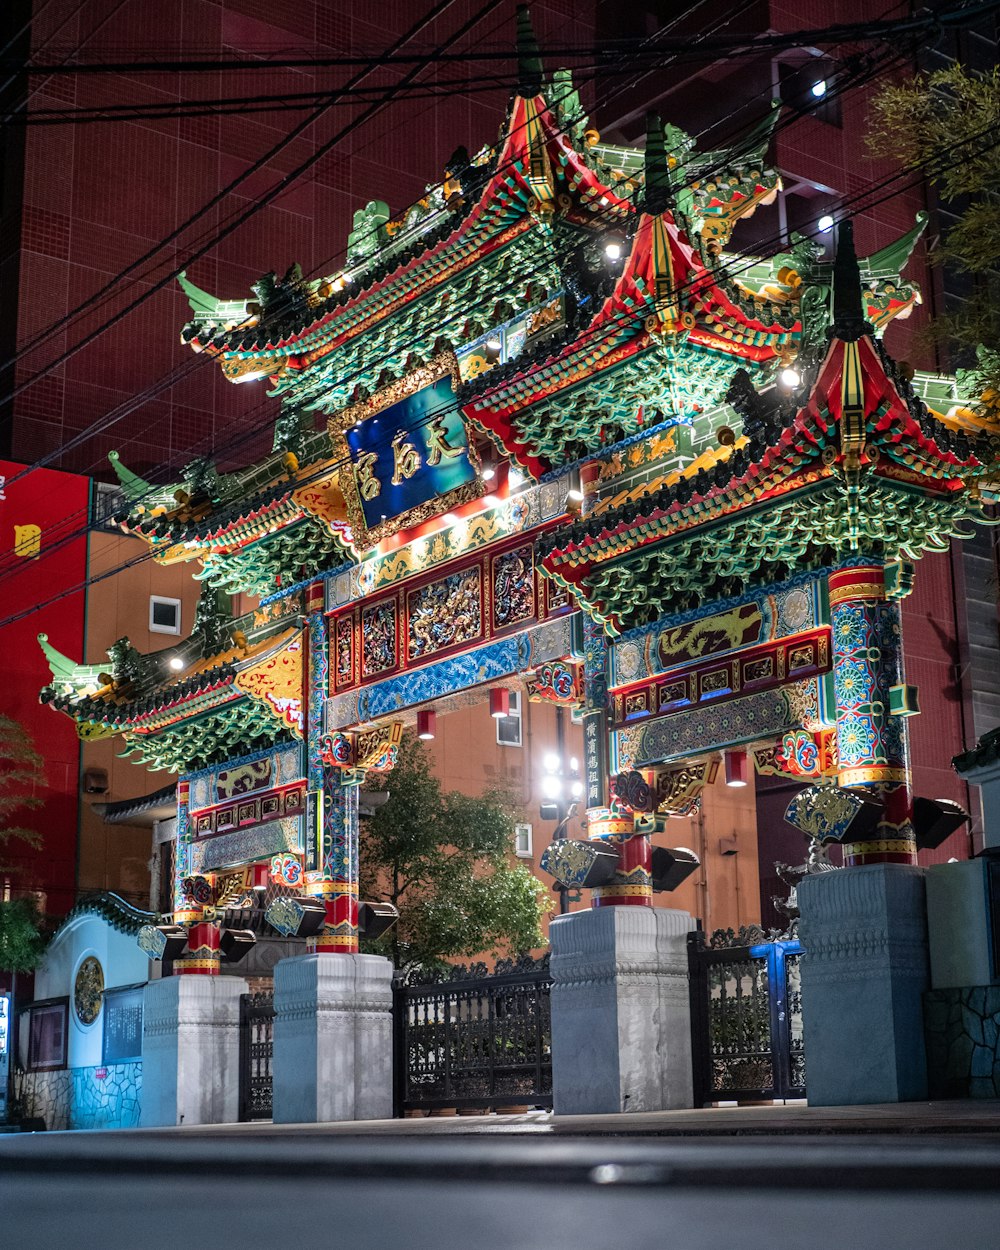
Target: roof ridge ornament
(659, 192)
(849, 321)
(529, 59)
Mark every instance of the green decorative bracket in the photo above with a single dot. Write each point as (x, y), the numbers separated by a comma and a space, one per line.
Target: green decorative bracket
(903, 701)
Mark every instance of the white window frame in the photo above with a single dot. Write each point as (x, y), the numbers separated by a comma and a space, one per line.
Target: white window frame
(514, 714)
(154, 628)
(523, 830)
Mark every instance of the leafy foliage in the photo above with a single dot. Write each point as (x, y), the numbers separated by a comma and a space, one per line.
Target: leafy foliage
(22, 942)
(946, 124)
(21, 778)
(444, 861)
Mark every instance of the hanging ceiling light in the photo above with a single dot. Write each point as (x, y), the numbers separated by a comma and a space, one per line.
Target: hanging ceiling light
(426, 724)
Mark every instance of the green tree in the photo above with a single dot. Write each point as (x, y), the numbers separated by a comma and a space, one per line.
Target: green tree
(444, 861)
(22, 939)
(21, 779)
(947, 125)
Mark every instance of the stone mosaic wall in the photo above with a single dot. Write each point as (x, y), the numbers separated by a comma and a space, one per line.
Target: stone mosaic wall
(103, 1097)
(962, 1028)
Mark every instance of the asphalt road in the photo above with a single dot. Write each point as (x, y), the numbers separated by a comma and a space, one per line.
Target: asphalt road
(225, 1187)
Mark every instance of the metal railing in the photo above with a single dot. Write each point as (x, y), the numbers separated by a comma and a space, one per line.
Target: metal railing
(477, 1040)
(746, 1017)
(256, 1054)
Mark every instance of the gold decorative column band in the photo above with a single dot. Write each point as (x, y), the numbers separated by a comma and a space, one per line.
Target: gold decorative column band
(856, 584)
(868, 775)
(881, 846)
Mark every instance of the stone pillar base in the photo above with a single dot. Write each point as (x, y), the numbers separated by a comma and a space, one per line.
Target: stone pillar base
(332, 1038)
(191, 1050)
(865, 967)
(621, 1015)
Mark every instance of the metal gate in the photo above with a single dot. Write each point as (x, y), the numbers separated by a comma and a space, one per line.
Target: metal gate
(256, 1052)
(478, 1040)
(746, 1017)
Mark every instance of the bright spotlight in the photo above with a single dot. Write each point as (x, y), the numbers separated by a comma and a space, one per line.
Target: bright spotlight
(819, 88)
(176, 663)
(790, 378)
(613, 250)
(825, 223)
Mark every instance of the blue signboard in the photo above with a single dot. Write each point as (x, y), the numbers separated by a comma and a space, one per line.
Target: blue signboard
(409, 452)
(6, 1022)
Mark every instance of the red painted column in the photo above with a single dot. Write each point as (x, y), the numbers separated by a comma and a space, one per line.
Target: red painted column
(632, 884)
(871, 743)
(335, 877)
(202, 957)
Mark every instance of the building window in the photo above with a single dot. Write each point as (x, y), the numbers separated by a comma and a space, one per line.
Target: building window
(164, 615)
(522, 841)
(509, 726)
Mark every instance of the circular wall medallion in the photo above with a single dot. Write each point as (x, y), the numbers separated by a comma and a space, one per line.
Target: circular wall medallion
(87, 990)
(796, 608)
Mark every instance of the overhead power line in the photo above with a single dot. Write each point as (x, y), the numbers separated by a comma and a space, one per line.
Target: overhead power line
(923, 22)
(731, 272)
(135, 402)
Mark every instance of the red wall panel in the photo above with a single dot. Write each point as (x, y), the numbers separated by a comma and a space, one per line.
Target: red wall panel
(57, 504)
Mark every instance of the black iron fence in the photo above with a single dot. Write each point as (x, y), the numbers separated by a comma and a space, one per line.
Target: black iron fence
(746, 1017)
(477, 1040)
(256, 1053)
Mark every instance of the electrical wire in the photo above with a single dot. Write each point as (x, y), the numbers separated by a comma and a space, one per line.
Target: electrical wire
(920, 24)
(267, 421)
(163, 281)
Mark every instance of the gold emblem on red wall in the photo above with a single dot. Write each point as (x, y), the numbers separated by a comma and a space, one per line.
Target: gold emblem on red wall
(27, 541)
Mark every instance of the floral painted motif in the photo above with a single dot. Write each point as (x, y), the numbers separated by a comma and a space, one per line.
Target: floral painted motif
(853, 683)
(851, 628)
(513, 588)
(855, 739)
(445, 613)
(378, 633)
(345, 651)
(277, 684)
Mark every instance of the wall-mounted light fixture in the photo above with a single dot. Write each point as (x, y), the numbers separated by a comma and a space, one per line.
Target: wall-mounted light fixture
(737, 765)
(499, 702)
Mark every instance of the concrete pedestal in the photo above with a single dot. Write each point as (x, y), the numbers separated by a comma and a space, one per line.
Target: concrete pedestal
(621, 1016)
(958, 924)
(191, 1050)
(865, 967)
(332, 1038)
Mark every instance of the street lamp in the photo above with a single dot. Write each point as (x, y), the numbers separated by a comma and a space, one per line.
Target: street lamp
(563, 790)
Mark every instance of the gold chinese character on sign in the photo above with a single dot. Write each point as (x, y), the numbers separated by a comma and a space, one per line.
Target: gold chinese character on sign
(369, 487)
(27, 541)
(437, 441)
(405, 457)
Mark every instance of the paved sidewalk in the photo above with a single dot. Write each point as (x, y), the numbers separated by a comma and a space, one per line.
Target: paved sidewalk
(967, 1117)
